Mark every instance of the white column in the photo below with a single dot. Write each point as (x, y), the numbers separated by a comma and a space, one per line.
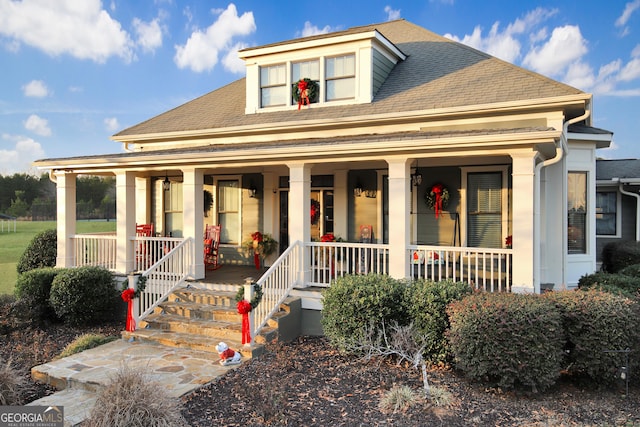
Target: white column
(299, 208)
(399, 216)
(193, 216)
(143, 200)
(66, 214)
(341, 204)
(125, 220)
(269, 203)
(525, 279)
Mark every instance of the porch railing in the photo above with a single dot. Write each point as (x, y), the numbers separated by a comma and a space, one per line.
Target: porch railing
(329, 260)
(482, 268)
(98, 250)
(166, 274)
(276, 284)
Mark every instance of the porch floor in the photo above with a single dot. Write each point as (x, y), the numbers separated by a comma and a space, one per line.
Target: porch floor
(231, 274)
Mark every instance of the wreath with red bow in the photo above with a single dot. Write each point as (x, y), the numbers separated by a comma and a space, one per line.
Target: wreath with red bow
(315, 211)
(305, 91)
(437, 198)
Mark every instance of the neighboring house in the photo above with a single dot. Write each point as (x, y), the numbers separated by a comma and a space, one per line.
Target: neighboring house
(395, 112)
(617, 202)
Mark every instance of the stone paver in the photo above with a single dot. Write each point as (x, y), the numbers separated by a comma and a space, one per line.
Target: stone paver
(177, 370)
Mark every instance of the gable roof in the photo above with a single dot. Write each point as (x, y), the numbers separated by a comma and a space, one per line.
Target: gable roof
(438, 73)
(623, 169)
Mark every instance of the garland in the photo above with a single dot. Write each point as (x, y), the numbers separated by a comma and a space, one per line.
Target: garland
(305, 90)
(127, 292)
(257, 295)
(437, 198)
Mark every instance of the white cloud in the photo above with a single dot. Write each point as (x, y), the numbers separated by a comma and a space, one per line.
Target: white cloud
(565, 46)
(35, 89)
(111, 124)
(37, 125)
(231, 62)
(202, 49)
(82, 29)
(312, 30)
(392, 14)
(631, 71)
(18, 158)
(622, 20)
(149, 34)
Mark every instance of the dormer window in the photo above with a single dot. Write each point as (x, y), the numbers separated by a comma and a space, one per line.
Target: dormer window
(273, 85)
(341, 77)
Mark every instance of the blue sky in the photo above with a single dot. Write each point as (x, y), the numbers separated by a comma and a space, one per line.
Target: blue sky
(73, 72)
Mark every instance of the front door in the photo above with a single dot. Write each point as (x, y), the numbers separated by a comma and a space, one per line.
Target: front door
(321, 213)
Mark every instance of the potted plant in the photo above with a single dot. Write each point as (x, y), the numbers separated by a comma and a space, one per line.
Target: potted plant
(261, 245)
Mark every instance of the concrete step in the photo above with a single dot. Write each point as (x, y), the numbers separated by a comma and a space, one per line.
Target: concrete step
(195, 342)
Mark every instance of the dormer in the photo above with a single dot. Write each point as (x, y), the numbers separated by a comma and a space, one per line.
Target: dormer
(345, 68)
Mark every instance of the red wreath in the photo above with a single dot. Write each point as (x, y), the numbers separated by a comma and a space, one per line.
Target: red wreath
(127, 296)
(244, 308)
(315, 211)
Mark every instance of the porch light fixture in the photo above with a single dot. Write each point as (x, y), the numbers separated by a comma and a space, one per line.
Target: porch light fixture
(166, 184)
(416, 177)
(252, 190)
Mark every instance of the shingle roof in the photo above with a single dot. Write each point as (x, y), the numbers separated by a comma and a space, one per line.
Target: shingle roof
(622, 168)
(438, 73)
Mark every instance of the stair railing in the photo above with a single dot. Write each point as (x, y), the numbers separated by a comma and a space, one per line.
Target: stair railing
(276, 283)
(164, 276)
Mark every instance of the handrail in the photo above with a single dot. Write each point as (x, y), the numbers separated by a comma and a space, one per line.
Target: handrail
(277, 282)
(164, 276)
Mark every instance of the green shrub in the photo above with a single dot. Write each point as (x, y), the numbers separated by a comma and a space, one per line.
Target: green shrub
(33, 288)
(40, 252)
(616, 283)
(631, 270)
(84, 295)
(596, 323)
(618, 255)
(85, 342)
(426, 304)
(356, 303)
(507, 339)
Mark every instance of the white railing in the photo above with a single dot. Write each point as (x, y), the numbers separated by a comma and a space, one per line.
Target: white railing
(483, 268)
(98, 250)
(149, 250)
(166, 274)
(329, 260)
(276, 284)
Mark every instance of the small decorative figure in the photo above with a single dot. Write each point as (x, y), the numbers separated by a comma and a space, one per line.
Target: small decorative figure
(227, 355)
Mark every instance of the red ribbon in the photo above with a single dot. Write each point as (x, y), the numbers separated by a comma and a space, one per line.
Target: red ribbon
(244, 308)
(437, 190)
(303, 93)
(127, 296)
(256, 260)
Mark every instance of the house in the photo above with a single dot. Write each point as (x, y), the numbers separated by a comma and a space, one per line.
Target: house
(426, 157)
(617, 202)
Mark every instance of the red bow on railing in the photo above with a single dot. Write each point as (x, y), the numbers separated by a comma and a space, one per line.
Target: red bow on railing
(244, 308)
(127, 296)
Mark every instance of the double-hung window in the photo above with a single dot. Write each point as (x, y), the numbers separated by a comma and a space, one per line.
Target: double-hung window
(305, 70)
(228, 206)
(340, 77)
(606, 213)
(577, 212)
(484, 209)
(273, 85)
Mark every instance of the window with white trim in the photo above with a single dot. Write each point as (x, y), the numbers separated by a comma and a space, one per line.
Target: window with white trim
(228, 209)
(305, 70)
(606, 213)
(173, 215)
(273, 85)
(340, 77)
(484, 209)
(577, 212)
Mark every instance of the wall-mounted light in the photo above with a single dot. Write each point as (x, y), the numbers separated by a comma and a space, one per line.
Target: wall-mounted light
(357, 191)
(166, 184)
(252, 190)
(416, 177)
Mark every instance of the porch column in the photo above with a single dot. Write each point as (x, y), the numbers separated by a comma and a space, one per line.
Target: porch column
(143, 197)
(340, 204)
(66, 221)
(524, 276)
(125, 220)
(299, 208)
(193, 216)
(399, 212)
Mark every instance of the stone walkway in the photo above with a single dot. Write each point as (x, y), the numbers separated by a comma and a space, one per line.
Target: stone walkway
(177, 370)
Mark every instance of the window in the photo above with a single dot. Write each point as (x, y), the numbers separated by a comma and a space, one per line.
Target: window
(606, 213)
(341, 77)
(484, 209)
(577, 212)
(173, 210)
(273, 89)
(302, 70)
(229, 211)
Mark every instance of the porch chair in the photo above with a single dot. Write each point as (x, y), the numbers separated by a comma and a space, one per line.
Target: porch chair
(211, 247)
(143, 250)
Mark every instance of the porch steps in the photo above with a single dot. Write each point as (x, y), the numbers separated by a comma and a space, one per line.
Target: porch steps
(198, 319)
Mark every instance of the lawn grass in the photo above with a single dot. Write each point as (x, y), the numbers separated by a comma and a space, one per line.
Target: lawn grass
(12, 245)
